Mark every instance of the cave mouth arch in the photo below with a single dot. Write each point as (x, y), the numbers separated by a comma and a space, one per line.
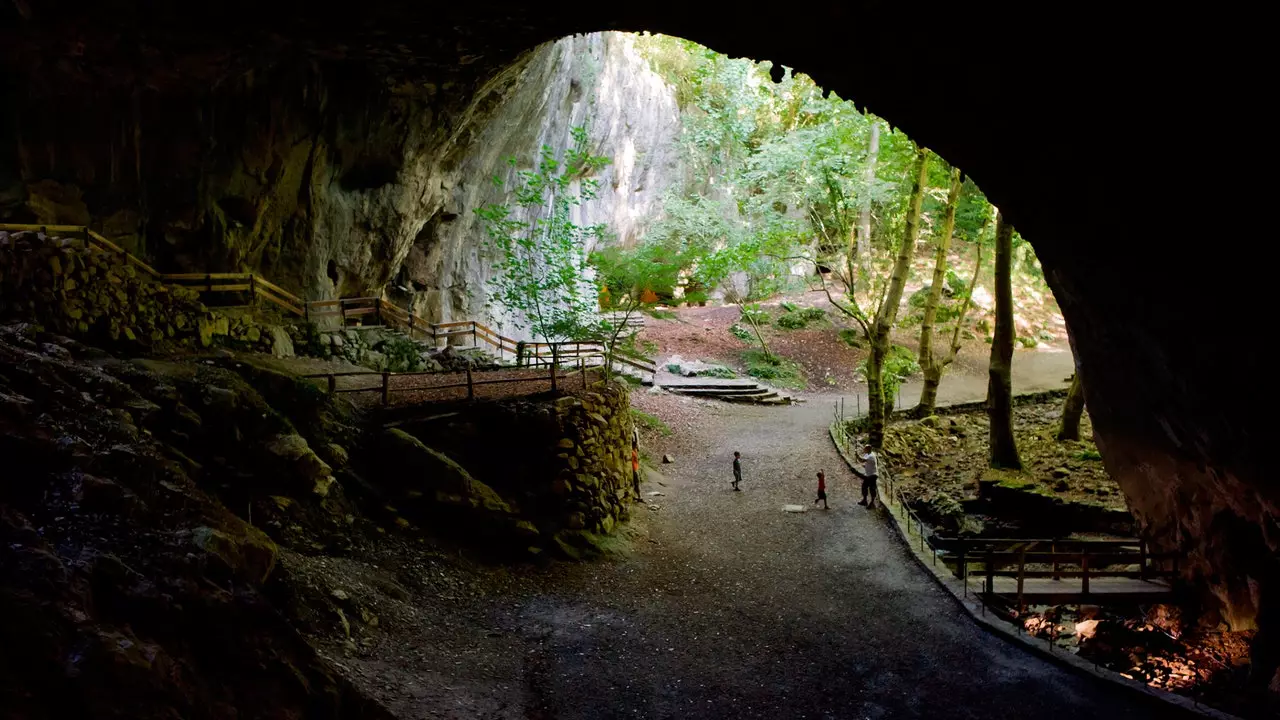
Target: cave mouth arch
(1183, 449)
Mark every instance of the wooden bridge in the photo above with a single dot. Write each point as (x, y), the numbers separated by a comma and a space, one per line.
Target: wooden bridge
(1060, 570)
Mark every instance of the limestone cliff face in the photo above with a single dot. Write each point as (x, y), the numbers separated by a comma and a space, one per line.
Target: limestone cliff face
(598, 82)
(328, 180)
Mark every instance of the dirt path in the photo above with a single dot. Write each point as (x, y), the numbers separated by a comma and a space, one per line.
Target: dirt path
(726, 607)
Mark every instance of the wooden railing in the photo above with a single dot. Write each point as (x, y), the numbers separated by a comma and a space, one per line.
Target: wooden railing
(346, 309)
(1091, 559)
(554, 374)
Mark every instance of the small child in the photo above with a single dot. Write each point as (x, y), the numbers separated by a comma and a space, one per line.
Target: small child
(737, 469)
(822, 490)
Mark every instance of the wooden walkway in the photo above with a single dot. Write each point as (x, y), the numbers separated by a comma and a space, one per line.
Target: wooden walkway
(1047, 591)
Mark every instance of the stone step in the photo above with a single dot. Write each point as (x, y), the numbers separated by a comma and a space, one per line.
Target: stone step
(727, 391)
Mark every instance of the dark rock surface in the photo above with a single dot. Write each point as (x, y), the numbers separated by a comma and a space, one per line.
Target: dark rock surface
(126, 107)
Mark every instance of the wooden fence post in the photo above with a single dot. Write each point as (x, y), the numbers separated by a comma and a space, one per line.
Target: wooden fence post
(342, 310)
(253, 290)
(471, 388)
(475, 341)
(1053, 550)
(1142, 560)
(333, 384)
(1084, 573)
(386, 388)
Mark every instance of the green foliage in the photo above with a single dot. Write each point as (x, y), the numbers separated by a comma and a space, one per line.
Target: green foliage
(791, 321)
(741, 333)
(403, 354)
(1088, 455)
(309, 341)
(662, 314)
(795, 318)
(1027, 342)
(718, 372)
(650, 422)
(852, 337)
(778, 371)
(899, 365)
(541, 253)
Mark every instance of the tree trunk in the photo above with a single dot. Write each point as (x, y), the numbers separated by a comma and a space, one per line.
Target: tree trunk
(868, 179)
(928, 363)
(887, 313)
(1072, 409)
(1004, 451)
(877, 413)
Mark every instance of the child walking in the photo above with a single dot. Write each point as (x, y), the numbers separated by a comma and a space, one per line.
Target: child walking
(822, 490)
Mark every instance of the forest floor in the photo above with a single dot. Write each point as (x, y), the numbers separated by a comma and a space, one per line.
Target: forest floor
(940, 461)
(828, 363)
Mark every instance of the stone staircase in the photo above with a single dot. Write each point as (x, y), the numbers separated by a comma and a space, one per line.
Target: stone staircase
(739, 391)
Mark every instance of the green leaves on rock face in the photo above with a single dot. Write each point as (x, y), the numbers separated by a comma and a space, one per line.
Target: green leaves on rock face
(543, 278)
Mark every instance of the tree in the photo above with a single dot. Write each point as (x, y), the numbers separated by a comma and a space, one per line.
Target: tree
(542, 267)
(864, 215)
(934, 365)
(877, 327)
(1004, 450)
(1072, 409)
(625, 278)
(939, 270)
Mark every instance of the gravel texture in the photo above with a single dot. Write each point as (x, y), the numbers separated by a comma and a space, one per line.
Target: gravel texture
(716, 605)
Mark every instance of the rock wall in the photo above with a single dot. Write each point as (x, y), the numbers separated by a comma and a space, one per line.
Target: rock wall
(331, 181)
(598, 82)
(101, 297)
(528, 475)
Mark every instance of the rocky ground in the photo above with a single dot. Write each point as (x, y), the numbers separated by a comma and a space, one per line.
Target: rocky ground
(939, 462)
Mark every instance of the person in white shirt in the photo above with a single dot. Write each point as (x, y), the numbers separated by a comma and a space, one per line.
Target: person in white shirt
(870, 473)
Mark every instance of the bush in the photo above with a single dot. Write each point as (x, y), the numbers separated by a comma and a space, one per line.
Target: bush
(649, 422)
(718, 372)
(741, 333)
(796, 318)
(791, 321)
(403, 354)
(1027, 342)
(662, 314)
(778, 371)
(851, 337)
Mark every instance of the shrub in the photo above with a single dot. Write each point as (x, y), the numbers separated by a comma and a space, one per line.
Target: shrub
(791, 321)
(851, 337)
(403, 354)
(789, 307)
(741, 333)
(812, 314)
(778, 371)
(662, 314)
(718, 372)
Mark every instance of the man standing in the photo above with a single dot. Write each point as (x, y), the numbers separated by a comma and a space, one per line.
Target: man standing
(822, 490)
(870, 473)
(737, 469)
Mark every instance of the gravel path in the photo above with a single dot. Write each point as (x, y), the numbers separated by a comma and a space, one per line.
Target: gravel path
(721, 606)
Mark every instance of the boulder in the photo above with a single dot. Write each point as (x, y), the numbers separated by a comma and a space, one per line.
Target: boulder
(243, 549)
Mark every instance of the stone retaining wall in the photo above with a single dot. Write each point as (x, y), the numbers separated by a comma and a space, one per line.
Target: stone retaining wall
(561, 466)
